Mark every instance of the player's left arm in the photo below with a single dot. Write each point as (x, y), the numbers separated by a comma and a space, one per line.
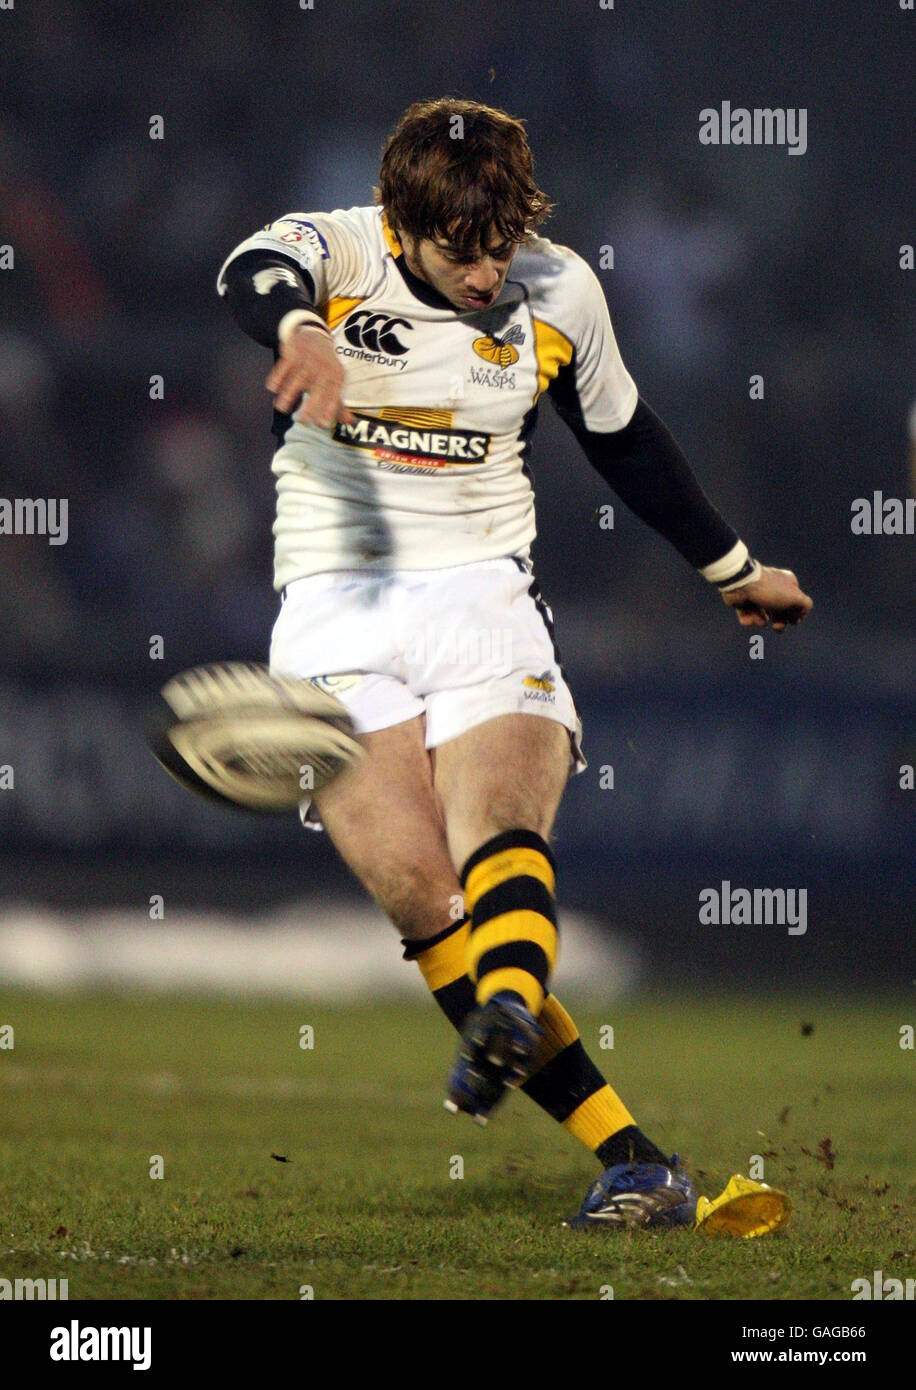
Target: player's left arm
(636, 454)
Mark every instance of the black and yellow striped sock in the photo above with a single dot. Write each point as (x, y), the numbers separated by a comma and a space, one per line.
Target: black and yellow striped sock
(509, 896)
(566, 1084)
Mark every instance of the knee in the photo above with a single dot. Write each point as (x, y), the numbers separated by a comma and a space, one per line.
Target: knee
(522, 802)
(514, 813)
(469, 837)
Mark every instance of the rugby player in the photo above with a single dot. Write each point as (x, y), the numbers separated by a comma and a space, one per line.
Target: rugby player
(413, 341)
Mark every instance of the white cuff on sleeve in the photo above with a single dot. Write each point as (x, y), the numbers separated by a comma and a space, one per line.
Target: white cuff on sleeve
(749, 575)
(733, 570)
(291, 321)
(720, 571)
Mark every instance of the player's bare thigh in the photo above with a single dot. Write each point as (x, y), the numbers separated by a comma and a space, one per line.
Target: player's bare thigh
(507, 773)
(385, 820)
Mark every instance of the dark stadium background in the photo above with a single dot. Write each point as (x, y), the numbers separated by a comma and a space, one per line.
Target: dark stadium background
(727, 262)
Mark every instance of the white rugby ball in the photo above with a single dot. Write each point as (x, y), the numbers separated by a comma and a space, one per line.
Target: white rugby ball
(234, 733)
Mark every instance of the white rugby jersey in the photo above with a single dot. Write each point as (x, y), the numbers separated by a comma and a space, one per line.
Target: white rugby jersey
(434, 472)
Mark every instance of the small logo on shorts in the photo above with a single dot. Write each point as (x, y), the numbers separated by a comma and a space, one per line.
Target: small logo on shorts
(540, 688)
(335, 684)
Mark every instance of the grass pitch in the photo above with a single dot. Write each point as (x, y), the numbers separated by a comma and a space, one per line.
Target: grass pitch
(366, 1202)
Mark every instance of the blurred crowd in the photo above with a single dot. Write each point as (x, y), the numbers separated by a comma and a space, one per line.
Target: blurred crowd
(726, 264)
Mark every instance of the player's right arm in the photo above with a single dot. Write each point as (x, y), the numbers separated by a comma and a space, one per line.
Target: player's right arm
(308, 364)
(274, 284)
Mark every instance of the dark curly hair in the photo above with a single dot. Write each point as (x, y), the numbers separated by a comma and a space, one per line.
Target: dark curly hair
(462, 172)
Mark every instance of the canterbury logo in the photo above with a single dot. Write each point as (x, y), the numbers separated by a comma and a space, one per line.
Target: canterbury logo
(541, 682)
(500, 350)
(375, 332)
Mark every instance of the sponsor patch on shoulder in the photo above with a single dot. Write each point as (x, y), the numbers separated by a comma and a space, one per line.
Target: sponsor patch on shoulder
(295, 231)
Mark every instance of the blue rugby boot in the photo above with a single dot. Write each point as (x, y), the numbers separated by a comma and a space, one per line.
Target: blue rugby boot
(639, 1194)
(499, 1041)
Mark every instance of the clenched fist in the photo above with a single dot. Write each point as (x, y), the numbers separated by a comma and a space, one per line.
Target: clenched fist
(774, 598)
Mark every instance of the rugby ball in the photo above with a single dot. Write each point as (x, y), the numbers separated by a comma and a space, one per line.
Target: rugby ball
(235, 734)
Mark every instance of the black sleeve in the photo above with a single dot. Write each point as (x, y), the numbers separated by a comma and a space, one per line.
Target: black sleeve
(649, 472)
(258, 313)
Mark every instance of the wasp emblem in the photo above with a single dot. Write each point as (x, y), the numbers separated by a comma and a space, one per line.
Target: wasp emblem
(541, 682)
(500, 350)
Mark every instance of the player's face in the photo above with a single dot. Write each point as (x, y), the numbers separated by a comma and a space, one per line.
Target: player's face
(467, 282)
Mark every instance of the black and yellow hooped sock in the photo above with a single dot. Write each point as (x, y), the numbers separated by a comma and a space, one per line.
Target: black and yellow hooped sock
(566, 1083)
(509, 896)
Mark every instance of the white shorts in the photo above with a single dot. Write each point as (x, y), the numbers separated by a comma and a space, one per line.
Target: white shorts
(459, 645)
